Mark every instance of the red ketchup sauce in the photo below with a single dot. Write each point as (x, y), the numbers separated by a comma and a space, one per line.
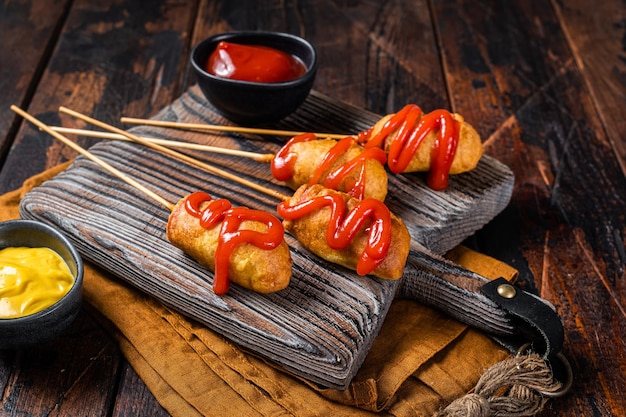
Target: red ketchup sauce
(413, 126)
(254, 63)
(284, 161)
(230, 236)
(343, 228)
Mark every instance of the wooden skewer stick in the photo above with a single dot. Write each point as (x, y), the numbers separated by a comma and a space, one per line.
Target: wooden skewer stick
(258, 157)
(175, 154)
(92, 157)
(219, 128)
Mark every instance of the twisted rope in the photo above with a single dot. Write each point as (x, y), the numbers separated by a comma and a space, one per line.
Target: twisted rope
(511, 388)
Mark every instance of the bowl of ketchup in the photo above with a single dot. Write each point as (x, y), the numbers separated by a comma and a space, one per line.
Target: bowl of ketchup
(41, 277)
(255, 78)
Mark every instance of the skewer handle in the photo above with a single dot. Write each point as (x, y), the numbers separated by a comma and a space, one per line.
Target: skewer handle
(92, 157)
(258, 157)
(178, 155)
(220, 128)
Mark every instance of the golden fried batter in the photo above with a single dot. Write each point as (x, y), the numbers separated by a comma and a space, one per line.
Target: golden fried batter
(257, 269)
(468, 152)
(310, 155)
(310, 230)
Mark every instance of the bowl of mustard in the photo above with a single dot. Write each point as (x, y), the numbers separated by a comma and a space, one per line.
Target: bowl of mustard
(41, 277)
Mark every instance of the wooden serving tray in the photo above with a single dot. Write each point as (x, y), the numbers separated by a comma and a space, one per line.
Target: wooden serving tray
(319, 328)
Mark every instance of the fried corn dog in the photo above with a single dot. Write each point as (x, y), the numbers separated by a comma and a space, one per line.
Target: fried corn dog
(240, 245)
(340, 165)
(362, 235)
(439, 142)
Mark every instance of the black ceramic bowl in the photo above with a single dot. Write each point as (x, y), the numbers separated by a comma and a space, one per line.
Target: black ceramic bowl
(48, 323)
(253, 103)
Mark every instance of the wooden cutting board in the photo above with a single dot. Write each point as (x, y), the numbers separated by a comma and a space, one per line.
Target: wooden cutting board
(322, 326)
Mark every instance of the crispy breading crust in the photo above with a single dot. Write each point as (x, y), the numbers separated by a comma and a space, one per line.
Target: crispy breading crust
(311, 153)
(310, 230)
(468, 152)
(260, 270)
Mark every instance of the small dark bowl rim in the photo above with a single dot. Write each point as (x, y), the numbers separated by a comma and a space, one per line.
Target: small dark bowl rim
(78, 276)
(249, 34)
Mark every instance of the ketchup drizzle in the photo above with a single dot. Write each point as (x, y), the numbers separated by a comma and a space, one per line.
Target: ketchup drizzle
(343, 228)
(413, 126)
(283, 164)
(230, 236)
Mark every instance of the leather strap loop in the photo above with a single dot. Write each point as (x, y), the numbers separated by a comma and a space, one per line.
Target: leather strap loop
(512, 317)
(536, 320)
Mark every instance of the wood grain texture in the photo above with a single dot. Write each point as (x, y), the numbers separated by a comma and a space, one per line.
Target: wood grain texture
(565, 228)
(595, 33)
(64, 380)
(114, 58)
(28, 28)
(322, 325)
(102, 57)
(134, 401)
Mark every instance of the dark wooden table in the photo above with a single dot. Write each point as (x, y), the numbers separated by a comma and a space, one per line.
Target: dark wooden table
(543, 82)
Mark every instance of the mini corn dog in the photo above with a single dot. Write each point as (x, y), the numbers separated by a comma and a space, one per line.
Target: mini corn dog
(439, 142)
(362, 235)
(240, 245)
(340, 165)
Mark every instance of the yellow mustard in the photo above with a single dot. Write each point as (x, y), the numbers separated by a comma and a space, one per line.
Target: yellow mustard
(31, 279)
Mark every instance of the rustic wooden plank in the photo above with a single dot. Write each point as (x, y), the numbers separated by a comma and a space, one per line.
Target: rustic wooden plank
(118, 228)
(565, 227)
(374, 55)
(65, 376)
(28, 29)
(595, 33)
(506, 237)
(403, 62)
(111, 59)
(134, 399)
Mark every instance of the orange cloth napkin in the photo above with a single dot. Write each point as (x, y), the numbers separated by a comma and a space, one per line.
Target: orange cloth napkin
(420, 362)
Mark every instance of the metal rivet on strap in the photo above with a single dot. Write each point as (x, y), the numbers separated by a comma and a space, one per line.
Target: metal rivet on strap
(506, 291)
